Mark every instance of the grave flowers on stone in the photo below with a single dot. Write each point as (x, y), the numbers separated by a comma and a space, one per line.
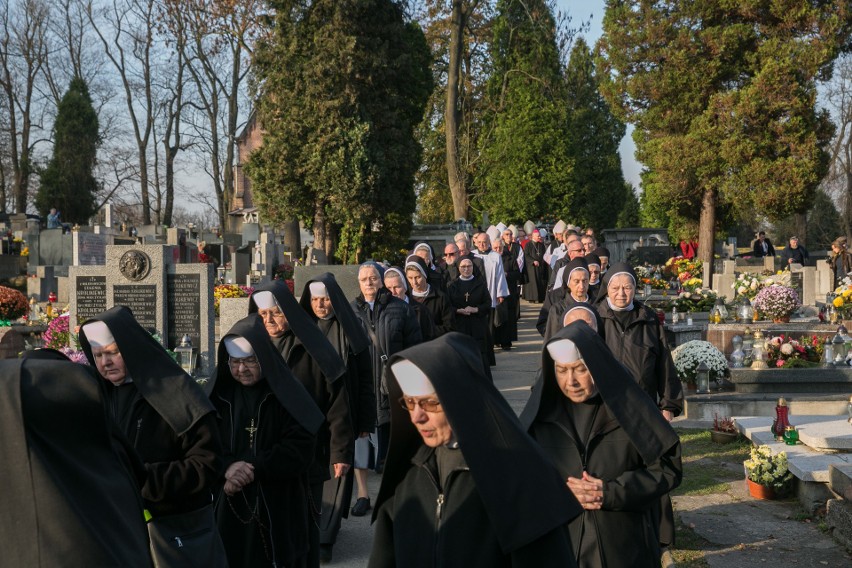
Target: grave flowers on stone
(13, 305)
(229, 291)
(777, 302)
(690, 355)
(783, 351)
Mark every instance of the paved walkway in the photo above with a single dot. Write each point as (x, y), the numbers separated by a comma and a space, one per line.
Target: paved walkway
(742, 532)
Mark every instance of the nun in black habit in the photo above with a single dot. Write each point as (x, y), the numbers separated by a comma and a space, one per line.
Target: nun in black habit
(572, 286)
(472, 303)
(269, 423)
(455, 441)
(172, 426)
(70, 494)
(577, 310)
(618, 453)
(320, 369)
(324, 302)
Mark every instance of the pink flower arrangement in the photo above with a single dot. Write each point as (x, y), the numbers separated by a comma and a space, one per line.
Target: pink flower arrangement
(57, 334)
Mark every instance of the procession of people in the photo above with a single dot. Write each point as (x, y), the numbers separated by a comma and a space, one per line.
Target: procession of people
(261, 465)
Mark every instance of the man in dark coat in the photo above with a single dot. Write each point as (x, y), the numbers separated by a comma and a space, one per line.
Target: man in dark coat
(536, 269)
(70, 496)
(513, 267)
(319, 368)
(269, 422)
(457, 443)
(794, 253)
(323, 300)
(172, 426)
(392, 326)
(608, 439)
(636, 338)
(762, 246)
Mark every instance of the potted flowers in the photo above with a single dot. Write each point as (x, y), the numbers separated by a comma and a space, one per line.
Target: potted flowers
(784, 351)
(688, 356)
(777, 302)
(724, 430)
(767, 476)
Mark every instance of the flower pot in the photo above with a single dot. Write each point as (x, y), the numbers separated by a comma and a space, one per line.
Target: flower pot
(689, 388)
(760, 491)
(783, 319)
(723, 437)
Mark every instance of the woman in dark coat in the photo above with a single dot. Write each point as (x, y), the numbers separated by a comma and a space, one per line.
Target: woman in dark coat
(320, 369)
(324, 302)
(619, 455)
(472, 303)
(499, 502)
(70, 492)
(171, 425)
(535, 268)
(269, 422)
(433, 301)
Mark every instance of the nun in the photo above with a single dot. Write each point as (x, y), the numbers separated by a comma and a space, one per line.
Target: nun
(324, 302)
(472, 304)
(594, 262)
(572, 286)
(464, 485)
(269, 423)
(320, 369)
(618, 454)
(579, 310)
(433, 301)
(70, 494)
(424, 251)
(171, 425)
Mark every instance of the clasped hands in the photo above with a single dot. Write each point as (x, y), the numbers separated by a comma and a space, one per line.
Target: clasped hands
(467, 310)
(588, 491)
(238, 475)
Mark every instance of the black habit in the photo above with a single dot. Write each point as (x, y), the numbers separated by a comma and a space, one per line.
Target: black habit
(506, 333)
(536, 276)
(475, 523)
(272, 425)
(618, 436)
(70, 494)
(472, 293)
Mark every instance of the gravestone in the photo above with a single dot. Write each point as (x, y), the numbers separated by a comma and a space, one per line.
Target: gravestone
(167, 297)
(89, 249)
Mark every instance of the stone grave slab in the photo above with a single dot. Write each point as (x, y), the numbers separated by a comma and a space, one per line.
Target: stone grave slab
(89, 249)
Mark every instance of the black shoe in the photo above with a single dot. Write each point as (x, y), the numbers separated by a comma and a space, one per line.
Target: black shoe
(325, 553)
(362, 505)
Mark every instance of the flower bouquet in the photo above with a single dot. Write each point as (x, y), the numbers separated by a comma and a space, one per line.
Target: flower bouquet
(776, 302)
(688, 356)
(13, 304)
(696, 300)
(843, 298)
(651, 275)
(785, 352)
(229, 291)
(683, 269)
(767, 470)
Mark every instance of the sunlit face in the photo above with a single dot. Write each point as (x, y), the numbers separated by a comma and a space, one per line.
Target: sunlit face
(274, 321)
(245, 370)
(497, 246)
(508, 237)
(588, 244)
(580, 314)
(432, 426)
(466, 268)
(578, 283)
(594, 274)
(369, 282)
(451, 253)
(424, 254)
(480, 241)
(536, 237)
(395, 285)
(462, 246)
(415, 280)
(575, 249)
(575, 381)
(604, 263)
(321, 306)
(110, 363)
(794, 243)
(621, 290)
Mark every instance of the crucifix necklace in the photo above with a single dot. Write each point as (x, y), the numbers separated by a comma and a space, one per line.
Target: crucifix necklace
(251, 430)
(466, 296)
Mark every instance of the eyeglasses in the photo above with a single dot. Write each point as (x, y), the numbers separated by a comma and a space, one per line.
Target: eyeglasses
(247, 362)
(450, 253)
(428, 404)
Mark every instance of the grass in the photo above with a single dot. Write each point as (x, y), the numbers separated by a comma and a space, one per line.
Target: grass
(707, 468)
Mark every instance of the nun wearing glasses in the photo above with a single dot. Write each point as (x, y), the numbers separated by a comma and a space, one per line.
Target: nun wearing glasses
(268, 423)
(464, 485)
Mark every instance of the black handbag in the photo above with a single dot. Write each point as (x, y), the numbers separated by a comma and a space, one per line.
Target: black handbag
(187, 539)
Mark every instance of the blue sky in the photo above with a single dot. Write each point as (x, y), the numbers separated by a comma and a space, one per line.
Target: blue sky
(593, 11)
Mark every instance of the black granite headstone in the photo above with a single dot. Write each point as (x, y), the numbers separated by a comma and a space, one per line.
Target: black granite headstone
(91, 294)
(184, 308)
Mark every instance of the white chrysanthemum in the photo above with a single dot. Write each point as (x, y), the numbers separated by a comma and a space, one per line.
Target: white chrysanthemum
(787, 349)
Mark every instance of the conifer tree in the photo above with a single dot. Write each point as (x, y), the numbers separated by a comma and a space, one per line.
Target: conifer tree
(68, 182)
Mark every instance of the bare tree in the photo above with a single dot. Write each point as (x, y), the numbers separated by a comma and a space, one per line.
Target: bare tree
(838, 184)
(23, 54)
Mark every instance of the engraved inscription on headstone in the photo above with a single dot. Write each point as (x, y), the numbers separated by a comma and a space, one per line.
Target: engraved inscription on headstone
(91, 292)
(183, 293)
(141, 299)
(797, 284)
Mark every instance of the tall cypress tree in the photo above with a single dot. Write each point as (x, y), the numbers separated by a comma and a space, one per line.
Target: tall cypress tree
(342, 84)
(597, 179)
(68, 183)
(525, 162)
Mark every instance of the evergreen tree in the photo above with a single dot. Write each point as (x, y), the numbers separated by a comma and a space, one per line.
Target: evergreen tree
(723, 97)
(525, 161)
(595, 133)
(67, 183)
(629, 214)
(341, 85)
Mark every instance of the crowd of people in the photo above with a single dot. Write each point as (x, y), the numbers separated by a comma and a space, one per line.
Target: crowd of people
(259, 466)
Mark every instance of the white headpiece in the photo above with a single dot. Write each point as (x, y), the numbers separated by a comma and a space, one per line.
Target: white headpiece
(98, 334)
(411, 379)
(493, 233)
(238, 347)
(318, 290)
(501, 227)
(264, 300)
(563, 351)
(559, 227)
